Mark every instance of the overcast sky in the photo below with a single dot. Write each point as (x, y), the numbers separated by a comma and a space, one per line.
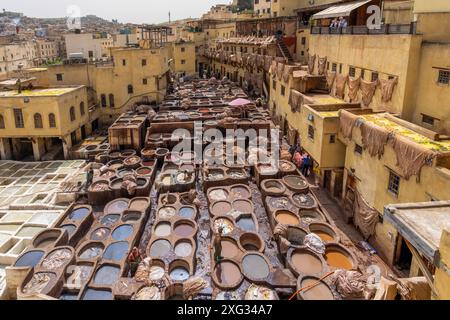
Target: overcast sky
(136, 11)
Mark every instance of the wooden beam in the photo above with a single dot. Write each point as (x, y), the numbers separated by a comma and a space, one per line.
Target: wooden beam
(422, 266)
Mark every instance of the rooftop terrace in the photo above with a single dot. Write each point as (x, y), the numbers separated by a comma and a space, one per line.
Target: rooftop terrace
(48, 92)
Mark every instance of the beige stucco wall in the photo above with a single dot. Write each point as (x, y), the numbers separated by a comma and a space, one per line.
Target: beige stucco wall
(442, 278)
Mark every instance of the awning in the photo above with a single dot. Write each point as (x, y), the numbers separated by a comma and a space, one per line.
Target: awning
(342, 10)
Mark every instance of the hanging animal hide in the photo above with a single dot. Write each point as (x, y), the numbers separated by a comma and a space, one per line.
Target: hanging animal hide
(322, 65)
(287, 72)
(311, 63)
(267, 63)
(331, 76)
(347, 122)
(368, 90)
(280, 70)
(374, 138)
(273, 68)
(365, 217)
(295, 100)
(411, 156)
(341, 80)
(353, 88)
(387, 88)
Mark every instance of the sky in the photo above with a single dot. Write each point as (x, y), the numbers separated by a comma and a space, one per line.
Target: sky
(135, 11)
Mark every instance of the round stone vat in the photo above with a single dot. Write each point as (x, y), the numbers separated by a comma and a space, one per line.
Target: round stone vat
(97, 294)
(287, 167)
(116, 251)
(221, 208)
(170, 199)
(247, 223)
(163, 229)
(310, 216)
(242, 206)
(100, 234)
(167, 212)
(286, 217)
(179, 271)
(144, 171)
(106, 275)
(296, 183)
(91, 251)
(304, 201)
(109, 220)
(296, 235)
(305, 262)
(102, 185)
(240, 192)
(58, 258)
(130, 216)
(338, 257)
(226, 224)
(139, 204)
(185, 228)
(218, 195)
(227, 274)
(255, 267)
(48, 238)
(230, 248)
(273, 187)
(184, 248)
(324, 231)
(160, 248)
(314, 289)
(187, 212)
(123, 172)
(29, 259)
(251, 242)
(70, 228)
(117, 206)
(122, 232)
(78, 213)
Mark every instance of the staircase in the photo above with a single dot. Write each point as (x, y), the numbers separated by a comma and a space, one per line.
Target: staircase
(285, 51)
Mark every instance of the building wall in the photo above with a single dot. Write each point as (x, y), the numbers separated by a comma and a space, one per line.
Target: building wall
(14, 54)
(261, 8)
(285, 8)
(425, 6)
(375, 54)
(83, 43)
(44, 105)
(442, 278)
(184, 58)
(432, 98)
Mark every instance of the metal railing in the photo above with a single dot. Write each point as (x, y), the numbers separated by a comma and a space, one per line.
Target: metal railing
(409, 28)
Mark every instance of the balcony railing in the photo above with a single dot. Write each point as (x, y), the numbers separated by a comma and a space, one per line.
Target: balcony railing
(358, 30)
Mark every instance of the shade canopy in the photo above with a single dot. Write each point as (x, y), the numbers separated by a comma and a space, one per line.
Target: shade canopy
(343, 10)
(239, 102)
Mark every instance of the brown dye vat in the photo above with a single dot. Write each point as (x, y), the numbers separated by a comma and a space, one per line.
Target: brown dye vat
(324, 231)
(240, 193)
(273, 187)
(227, 274)
(319, 292)
(221, 208)
(251, 242)
(296, 183)
(230, 248)
(305, 262)
(287, 218)
(184, 230)
(139, 205)
(149, 163)
(243, 206)
(337, 257)
(144, 171)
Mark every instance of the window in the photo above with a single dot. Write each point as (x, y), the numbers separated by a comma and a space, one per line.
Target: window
(72, 114)
(274, 84)
(82, 111)
(303, 40)
(38, 121)
(303, 53)
(427, 119)
(130, 89)
(352, 72)
(334, 67)
(183, 61)
(358, 149)
(59, 77)
(111, 101)
(52, 120)
(311, 132)
(144, 62)
(18, 118)
(332, 138)
(144, 81)
(362, 73)
(183, 49)
(374, 76)
(340, 68)
(2, 122)
(124, 62)
(394, 183)
(283, 90)
(103, 100)
(444, 77)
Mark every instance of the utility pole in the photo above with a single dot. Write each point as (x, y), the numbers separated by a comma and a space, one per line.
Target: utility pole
(169, 17)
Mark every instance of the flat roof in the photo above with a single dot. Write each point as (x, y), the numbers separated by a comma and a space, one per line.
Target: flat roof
(320, 98)
(48, 92)
(422, 224)
(383, 122)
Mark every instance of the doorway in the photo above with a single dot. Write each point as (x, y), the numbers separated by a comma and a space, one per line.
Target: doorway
(403, 259)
